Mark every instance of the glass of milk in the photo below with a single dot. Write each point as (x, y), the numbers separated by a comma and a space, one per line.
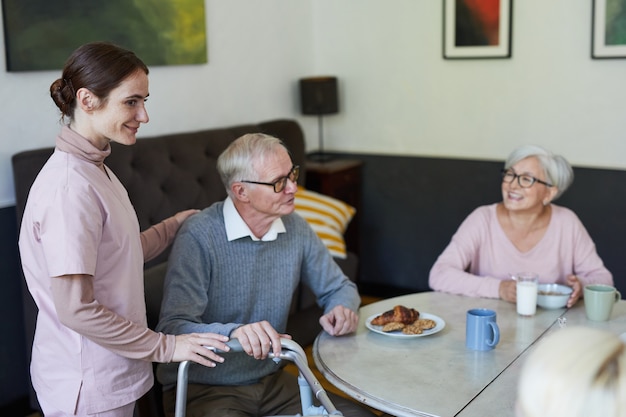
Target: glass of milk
(526, 293)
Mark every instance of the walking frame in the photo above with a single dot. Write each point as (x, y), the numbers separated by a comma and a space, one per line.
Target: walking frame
(292, 351)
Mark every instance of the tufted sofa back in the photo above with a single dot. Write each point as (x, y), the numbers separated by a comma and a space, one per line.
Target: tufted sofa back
(169, 173)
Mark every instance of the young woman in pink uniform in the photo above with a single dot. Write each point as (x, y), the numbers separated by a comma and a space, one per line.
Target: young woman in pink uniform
(525, 232)
(83, 254)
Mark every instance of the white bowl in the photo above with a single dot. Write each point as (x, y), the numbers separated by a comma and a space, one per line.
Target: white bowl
(553, 296)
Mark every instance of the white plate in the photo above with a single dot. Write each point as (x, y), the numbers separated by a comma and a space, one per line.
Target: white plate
(440, 324)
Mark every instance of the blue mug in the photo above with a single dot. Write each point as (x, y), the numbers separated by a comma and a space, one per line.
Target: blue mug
(481, 331)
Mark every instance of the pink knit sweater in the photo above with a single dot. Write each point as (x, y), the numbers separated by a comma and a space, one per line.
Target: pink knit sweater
(480, 255)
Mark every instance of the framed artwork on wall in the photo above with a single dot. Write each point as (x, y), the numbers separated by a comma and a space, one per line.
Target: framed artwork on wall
(608, 33)
(477, 29)
(41, 34)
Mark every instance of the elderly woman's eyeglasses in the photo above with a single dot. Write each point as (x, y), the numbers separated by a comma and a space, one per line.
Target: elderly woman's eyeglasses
(281, 183)
(524, 181)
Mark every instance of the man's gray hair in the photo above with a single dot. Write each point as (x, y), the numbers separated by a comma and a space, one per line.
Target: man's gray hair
(241, 159)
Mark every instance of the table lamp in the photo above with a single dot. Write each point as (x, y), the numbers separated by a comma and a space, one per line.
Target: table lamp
(318, 96)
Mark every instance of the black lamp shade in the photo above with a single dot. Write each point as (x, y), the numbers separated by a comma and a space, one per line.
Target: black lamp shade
(318, 95)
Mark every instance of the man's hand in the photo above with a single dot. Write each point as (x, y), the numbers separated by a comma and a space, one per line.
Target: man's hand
(258, 338)
(339, 321)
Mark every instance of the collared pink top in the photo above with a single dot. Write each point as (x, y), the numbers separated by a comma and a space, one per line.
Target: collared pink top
(78, 220)
(480, 255)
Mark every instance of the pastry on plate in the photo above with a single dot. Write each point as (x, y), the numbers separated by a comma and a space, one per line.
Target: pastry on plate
(399, 314)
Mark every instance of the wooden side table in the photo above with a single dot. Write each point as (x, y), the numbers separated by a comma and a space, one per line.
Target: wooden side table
(339, 178)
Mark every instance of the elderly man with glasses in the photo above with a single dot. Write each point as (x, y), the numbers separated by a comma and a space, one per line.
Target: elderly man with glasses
(524, 232)
(233, 270)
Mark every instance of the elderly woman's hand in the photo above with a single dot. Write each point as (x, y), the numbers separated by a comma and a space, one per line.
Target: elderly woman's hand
(574, 282)
(508, 291)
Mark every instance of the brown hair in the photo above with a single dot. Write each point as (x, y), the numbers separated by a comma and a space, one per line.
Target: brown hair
(99, 67)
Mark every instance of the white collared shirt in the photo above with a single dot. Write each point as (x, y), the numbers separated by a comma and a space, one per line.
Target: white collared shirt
(237, 228)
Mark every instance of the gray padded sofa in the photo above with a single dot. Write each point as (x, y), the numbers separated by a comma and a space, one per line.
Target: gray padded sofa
(169, 173)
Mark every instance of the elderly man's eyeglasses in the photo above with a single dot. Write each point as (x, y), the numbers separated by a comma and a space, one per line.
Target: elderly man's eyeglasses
(281, 183)
(524, 181)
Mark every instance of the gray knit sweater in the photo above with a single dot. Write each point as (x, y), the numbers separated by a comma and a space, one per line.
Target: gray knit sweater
(214, 285)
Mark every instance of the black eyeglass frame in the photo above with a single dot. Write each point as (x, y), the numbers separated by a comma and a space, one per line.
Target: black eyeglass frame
(505, 172)
(280, 184)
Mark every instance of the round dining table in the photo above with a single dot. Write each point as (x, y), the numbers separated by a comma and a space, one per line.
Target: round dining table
(434, 374)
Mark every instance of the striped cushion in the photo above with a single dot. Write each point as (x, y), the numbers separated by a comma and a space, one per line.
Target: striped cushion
(328, 217)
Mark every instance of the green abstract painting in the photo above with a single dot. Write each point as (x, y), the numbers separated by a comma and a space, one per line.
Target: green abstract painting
(615, 31)
(41, 34)
(608, 34)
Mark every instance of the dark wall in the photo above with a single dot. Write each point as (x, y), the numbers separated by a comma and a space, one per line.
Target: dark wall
(411, 208)
(13, 364)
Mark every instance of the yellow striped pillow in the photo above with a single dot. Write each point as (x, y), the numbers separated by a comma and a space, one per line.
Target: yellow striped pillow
(328, 217)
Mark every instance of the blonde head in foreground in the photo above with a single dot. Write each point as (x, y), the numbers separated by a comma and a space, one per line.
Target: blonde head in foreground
(575, 372)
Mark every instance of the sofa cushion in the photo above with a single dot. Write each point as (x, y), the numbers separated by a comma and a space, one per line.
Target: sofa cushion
(328, 216)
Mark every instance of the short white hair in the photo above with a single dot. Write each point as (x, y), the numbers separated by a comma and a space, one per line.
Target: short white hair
(241, 159)
(574, 372)
(557, 170)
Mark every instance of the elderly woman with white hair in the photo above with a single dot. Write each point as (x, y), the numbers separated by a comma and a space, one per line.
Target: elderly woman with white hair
(575, 372)
(524, 232)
